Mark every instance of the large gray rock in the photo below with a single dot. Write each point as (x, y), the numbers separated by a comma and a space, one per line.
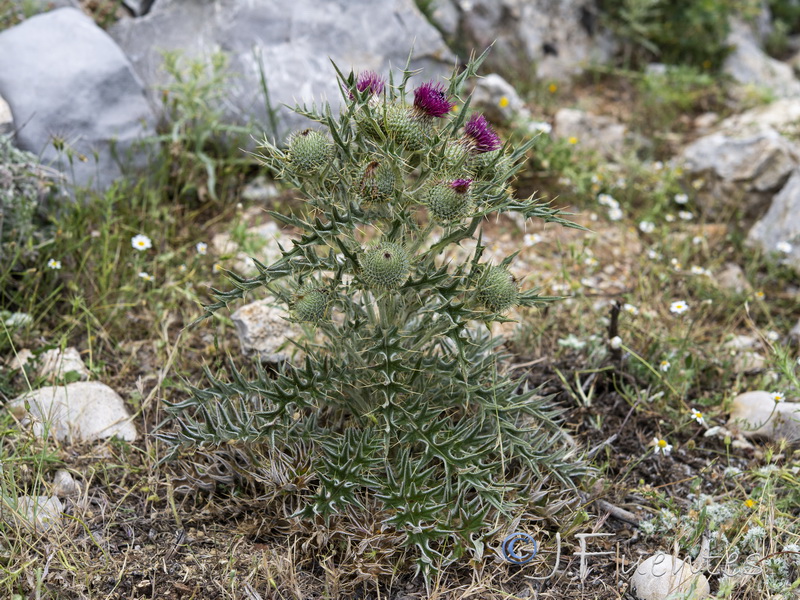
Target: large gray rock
(293, 41)
(65, 79)
(781, 223)
(750, 65)
(40, 513)
(82, 411)
(742, 169)
(532, 38)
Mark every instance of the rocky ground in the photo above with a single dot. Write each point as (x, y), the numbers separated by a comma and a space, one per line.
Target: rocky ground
(673, 351)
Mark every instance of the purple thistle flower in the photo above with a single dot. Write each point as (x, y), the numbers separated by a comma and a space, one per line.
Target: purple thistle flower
(461, 186)
(370, 80)
(482, 136)
(431, 100)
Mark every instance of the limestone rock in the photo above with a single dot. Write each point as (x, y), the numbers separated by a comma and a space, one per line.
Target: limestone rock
(81, 411)
(750, 65)
(794, 333)
(294, 43)
(264, 330)
(41, 513)
(600, 133)
(20, 359)
(781, 223)
(782, 115)
(67, 81)
(541, 38)
(497, 99)
(757, 415)
(57, 365)
(661, 576)
(6, 118)
(748, 361)
(742, 171)
(64, 485)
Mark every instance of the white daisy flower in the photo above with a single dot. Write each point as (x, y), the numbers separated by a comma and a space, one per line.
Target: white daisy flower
(778, 396)
(696, 240)
(669, 218)
(615, 342)
(146, 276)
(678, 307)
(607, 200)
(54, 264)
(658, 165)
(141, 242)
(542, 126)
(662, 447)
(647, 227)
(681, 198)
(773, 336)
(664, 366)
(615, 213)
(653, 255)
(531, 239)
(202, 248)
(685, 215)
(698, 416)
(784, 247)
(630, 308)
(695, 270)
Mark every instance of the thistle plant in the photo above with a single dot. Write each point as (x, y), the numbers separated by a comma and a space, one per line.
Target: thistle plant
(401, 401)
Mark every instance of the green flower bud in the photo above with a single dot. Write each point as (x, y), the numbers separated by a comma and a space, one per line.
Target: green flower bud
(309, 151)
(485, 165)
(385, 266)
(497, 290)
(456, 156)
(450, 201)
(402, 126)
(310, 302)
(377, 182)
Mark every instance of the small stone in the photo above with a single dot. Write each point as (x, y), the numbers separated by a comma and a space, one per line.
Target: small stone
(259, 189)
(41, 513)
(64, 485)
(741, 342)
(263, 330)
(749, 361)
(757, 415)
(58, 366)
(599, 133)
(6, 118)
(497, 99)
(794, 333)
(81, 411)
(20, 359)
(732, 278)
(780, 223)
(663, 576)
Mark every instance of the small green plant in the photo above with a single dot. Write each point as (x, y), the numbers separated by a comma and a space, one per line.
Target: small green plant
(688, 32)
(402, 397)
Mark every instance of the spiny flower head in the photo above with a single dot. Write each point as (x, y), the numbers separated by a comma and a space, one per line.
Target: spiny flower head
(450, 200)
(385, 266)
(309, 150)
(480, 136)
(431, 100)
(370, 80)
(497, 289)
(310, 302)
(377, 181)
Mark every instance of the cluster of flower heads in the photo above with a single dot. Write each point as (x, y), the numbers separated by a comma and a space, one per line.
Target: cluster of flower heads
(449, 195)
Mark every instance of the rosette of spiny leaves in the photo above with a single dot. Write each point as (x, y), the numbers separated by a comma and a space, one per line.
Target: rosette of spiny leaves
(401, 396)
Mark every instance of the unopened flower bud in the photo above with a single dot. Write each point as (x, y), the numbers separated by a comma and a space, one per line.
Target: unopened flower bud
(385, 266)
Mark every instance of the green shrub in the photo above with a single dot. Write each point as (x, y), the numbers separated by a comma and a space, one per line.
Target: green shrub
(401, 403)
(688, 32)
